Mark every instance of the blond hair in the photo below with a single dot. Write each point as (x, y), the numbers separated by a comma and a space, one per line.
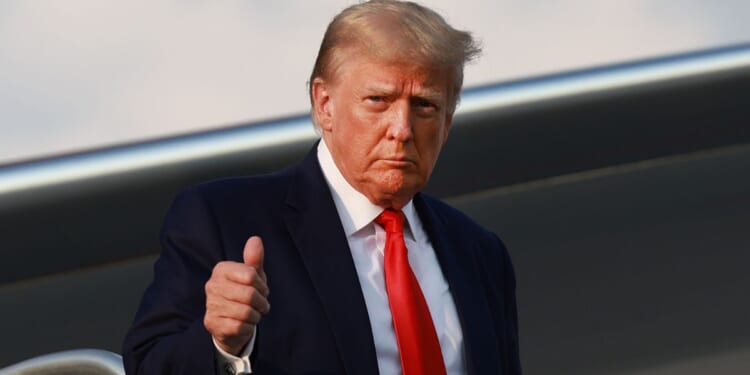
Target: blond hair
(396, 31)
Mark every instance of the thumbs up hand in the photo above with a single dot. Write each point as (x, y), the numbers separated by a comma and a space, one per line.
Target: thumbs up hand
(237, 298)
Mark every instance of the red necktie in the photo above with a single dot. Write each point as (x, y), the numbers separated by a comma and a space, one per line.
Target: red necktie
(418, 344)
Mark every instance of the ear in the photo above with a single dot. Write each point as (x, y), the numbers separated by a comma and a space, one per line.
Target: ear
(322, 103)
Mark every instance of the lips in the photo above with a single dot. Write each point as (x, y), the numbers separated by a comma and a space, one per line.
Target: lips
(398, 157)
(398, 161)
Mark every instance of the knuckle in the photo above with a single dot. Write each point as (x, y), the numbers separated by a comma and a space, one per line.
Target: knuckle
(252, 293)
(244, 312)
(248, 275)
(210, 287)
(254, 317)
(208, 322)
(219, 268)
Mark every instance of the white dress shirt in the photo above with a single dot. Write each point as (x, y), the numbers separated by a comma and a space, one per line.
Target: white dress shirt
(367, 242)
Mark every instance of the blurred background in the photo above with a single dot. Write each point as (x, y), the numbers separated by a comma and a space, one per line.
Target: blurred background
(87, 73)
(607, 143)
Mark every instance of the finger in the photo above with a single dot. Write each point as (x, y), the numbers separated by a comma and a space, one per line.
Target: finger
(253, 317)
(260, 285)
(236, 292)
(249, 277)
(218, 292)
(259, 302)
(236, 311)
(251, 299)
(235, 271)
(242, 274)
(253, 253)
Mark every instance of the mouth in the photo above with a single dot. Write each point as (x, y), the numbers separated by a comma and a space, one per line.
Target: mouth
(398, 161)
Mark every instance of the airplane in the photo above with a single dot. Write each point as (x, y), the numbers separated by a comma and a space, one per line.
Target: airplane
(621, 191)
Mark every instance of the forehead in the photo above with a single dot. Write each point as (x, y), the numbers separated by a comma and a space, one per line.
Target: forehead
(370, 72)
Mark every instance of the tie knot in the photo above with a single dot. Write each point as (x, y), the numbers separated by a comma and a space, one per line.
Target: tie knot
(391, 220)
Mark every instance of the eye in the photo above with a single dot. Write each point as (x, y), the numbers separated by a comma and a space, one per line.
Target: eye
(424, 104)
(377, 103)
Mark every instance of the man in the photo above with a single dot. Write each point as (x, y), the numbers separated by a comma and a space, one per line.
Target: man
(339, 264)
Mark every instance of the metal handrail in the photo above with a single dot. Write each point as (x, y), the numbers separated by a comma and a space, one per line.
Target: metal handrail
(71, 362)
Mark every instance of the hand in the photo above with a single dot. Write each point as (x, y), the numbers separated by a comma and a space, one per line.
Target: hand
(236, 298)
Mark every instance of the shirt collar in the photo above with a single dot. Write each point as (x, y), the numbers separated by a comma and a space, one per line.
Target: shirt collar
(354, 209)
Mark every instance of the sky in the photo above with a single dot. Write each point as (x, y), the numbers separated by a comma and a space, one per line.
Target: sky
(78, 74)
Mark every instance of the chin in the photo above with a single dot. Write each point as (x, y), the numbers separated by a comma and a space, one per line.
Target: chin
(395, 185)
(404, 189)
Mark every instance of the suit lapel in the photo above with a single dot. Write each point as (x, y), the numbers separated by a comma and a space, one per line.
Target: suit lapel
(319, 237)
(456, 261)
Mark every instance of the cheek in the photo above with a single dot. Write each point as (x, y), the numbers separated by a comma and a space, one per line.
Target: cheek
(356, 151)
(431, 140)
(365, 132)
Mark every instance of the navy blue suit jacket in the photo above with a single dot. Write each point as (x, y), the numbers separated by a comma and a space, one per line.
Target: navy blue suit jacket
(318, 323)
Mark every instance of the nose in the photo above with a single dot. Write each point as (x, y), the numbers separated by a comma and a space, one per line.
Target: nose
(400, 122)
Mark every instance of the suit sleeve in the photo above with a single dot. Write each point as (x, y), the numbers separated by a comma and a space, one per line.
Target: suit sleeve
(168, 335)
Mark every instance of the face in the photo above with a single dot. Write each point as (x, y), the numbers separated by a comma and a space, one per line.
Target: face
(385, 124)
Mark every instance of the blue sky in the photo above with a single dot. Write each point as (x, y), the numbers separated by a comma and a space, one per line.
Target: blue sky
(84, 73)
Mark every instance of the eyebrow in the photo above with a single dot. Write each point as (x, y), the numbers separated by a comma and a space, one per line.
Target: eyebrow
(388, 90)
(381, 89)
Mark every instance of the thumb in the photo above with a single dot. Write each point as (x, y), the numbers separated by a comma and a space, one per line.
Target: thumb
(253, 253)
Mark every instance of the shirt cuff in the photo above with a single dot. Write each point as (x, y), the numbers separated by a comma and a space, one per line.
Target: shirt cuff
(230, 364)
